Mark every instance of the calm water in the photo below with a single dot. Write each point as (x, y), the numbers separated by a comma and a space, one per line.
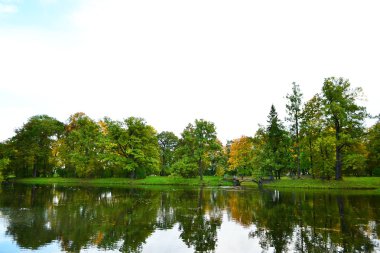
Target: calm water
(74, 219)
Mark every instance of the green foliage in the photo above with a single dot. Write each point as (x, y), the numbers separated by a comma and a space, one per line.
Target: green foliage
(324, 156)
(199, 146)
(4, 162)
(134, 147)
(278, 157)
(82, 147)
(355, 160)
(30, 150)
(373, 147)
(272, 155)
(185, 168)
(376, 172)
(310, 130)
(325, 138)
(167, 141)
(294, 116)
(344, 114)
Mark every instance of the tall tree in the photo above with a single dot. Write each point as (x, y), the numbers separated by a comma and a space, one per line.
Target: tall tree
(196, 147)
(261, 165)
(310, 129)
(82, 147)
(32, 146)
(205, 141)
(293, 108)
(167, 141)
(277, 145)
(136, 145)
(344, 114)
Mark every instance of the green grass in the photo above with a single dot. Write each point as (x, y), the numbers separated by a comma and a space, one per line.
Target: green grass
(151, 180)
(359, 183)
(353, 183)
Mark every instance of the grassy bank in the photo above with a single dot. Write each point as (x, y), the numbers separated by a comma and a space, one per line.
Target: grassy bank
(353, 183)
(151, 180)
(359, 183)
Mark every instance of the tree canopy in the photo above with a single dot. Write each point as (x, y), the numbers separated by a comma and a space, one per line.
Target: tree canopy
(325, 138)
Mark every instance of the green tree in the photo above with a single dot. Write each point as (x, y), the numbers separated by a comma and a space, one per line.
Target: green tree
(260, 162)
(218, 159)
(373, 147)
(197, 147)
(136, 146)
(167, 141)
(344, 114)
(277, 146)
(310, 129)
(324, 154)
(355, 159)
(82, 147)
(32, 146)
(4, 162)
(293, 108)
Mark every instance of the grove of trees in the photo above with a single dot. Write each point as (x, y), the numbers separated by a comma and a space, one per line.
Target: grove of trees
(324, 137)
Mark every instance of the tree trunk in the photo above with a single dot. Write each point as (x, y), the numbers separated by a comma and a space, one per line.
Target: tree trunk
(311, 156)
(133, 174)
(162, 173)
(338, 154)
(35, 169)
(298, 150)
(200, 168)
(338, 165)
(45, 167)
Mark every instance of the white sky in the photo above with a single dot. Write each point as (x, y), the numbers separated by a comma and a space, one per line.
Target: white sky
(171, 62)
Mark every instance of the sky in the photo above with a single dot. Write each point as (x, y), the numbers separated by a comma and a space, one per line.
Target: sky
(173, 61)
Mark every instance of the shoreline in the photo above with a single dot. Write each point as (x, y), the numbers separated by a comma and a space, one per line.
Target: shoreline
(117, 182)
(348, 183)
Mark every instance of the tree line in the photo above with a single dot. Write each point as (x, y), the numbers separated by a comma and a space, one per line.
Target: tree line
(324, 137)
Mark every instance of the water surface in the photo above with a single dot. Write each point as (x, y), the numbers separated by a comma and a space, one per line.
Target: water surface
(79, 219)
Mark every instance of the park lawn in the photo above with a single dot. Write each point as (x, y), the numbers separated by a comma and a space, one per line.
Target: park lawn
(150, 180)
(360, 183)
(354, 183)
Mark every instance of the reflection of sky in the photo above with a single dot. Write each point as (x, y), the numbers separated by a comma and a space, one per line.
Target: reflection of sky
(44, 14)
(8, 245)
(231, 237)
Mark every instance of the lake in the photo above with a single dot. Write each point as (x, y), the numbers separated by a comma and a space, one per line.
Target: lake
(177, 219)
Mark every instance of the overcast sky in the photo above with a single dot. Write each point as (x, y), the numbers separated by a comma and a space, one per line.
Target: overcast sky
(172, 61)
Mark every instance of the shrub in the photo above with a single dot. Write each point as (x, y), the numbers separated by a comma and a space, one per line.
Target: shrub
(376, 172)
(185, 168)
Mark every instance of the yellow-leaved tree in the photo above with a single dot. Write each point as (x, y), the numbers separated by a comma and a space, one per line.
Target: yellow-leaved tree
(241, 156)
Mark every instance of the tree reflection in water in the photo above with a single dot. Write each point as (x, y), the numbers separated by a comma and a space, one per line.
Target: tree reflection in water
(124, 219)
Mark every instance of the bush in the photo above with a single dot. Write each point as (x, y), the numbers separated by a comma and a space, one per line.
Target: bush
(140, 173)
(185, 168)
(3, 168)
(376, 172)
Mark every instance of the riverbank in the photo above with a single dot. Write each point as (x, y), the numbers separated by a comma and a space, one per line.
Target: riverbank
(350, 183)
(109, 182)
